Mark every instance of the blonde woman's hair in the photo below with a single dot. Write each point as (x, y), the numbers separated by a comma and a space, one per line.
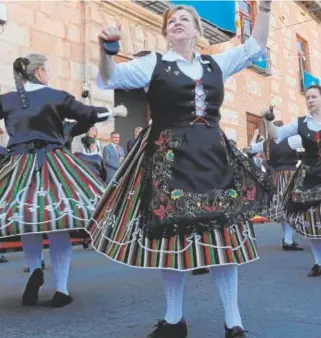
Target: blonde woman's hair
(24, 69)
(169, 12)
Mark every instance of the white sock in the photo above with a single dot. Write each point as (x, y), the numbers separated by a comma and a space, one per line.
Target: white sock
(287, 232)
(60, 254)
(174, 289)
(315, 245)
(32, 247)
(226, 278)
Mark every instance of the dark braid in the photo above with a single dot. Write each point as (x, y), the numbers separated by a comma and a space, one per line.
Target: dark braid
(20, 75)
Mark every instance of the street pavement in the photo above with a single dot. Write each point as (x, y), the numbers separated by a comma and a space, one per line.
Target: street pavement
(277, 300)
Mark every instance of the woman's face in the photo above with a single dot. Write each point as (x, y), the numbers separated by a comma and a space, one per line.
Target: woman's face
(181, 27)
(313, 100)
(92, 132)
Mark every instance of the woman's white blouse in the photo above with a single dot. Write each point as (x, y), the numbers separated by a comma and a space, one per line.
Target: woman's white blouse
(138, 72)
(294, 142)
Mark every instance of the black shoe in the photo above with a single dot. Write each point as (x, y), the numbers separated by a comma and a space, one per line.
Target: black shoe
(60, 299)
(3, 259)
(235, 332)
(315, 271)
(291, 247)
(202, 271)
(164, 330)
(30, 295)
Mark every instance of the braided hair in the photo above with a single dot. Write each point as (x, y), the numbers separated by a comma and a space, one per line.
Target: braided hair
(20, 74)
(23, 70)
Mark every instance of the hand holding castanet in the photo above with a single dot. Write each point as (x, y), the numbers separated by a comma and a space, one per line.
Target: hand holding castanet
(109, 40)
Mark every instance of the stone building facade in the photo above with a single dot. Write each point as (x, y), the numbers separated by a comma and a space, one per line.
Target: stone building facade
(66, 31)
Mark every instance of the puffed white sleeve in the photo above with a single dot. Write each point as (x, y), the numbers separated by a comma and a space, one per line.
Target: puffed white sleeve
(133, 74)
(237, 58)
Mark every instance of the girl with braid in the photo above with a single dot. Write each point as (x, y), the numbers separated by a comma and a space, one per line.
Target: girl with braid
(44, 188)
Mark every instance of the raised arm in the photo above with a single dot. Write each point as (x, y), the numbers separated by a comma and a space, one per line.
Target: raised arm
(237, 58)
(281, 133)
(262, 23)
(256, 148)
(106, 63)
(126, 75)
(255, 136)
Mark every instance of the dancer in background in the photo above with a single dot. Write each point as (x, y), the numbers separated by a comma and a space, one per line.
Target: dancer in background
(183, 197)
(283, 160)
(44, 188)
(303, 196)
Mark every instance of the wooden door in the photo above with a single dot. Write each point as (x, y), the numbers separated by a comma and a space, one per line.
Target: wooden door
(253, 122)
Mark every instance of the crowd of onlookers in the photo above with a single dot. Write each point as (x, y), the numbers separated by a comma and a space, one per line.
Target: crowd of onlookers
(111, 155)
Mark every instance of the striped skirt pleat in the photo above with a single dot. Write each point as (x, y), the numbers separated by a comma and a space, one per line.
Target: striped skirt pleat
(116, 229)
(281, 179)
(62, 195)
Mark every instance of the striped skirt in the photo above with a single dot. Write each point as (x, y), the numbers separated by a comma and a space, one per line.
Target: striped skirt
(62, 195)
(307, 223)
(280, 179)
(117, 233)
(302, 206)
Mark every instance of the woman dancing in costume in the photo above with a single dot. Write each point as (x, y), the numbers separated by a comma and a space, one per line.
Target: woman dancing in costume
(302, 201)
(44, 188)
(283, 160)
(179, 201)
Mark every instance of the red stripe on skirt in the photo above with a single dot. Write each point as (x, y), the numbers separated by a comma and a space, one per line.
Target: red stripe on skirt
(227, 240)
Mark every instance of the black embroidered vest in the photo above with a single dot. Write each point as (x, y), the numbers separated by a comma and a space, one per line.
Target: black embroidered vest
(171, 93)
(311, 143)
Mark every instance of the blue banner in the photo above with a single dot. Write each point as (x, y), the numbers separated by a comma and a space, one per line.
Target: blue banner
(217, 13)
(309, 80)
